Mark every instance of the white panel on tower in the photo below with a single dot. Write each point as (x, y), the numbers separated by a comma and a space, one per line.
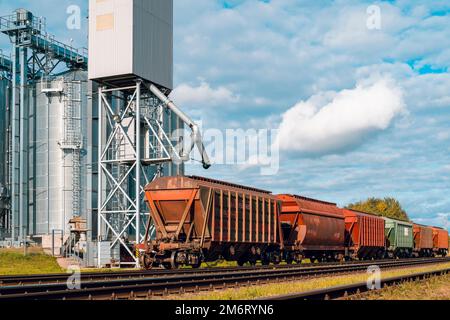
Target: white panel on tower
(131, 39)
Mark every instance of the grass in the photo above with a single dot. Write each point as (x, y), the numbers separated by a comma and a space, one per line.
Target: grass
(436, 288)
(106, 270)
(219, 264)
(13, 262)
(274, 289)
(230, 264)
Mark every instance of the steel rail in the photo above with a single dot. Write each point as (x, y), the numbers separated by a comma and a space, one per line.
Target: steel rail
(92, 276)
(345, 291)
(181, 283)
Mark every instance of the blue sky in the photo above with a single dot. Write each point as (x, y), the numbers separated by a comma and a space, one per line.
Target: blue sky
(295, 65)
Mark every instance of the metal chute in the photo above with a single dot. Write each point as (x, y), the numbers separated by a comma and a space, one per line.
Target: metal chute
(196, 137)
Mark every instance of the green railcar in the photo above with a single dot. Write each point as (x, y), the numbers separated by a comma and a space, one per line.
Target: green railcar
(399, 238)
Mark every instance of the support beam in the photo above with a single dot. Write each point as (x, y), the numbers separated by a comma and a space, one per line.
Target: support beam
(139, 157)
(99, 178)
(123, 165)
(15, 135)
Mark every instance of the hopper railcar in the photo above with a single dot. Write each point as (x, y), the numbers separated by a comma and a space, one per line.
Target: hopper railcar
(202, 220)
(399, 238)
(365, 235)
(199, 220)
(423, 241)
(440, 242)
(312, 229)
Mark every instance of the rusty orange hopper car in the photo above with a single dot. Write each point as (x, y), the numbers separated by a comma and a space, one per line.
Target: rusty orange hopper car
(440, 242)
(199, 220)
(423, 241)
(312, 229)
(365, 235)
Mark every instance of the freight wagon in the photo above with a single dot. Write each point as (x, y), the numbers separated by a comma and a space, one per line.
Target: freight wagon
(423, 241)
(199, 219)
(312, 229)
(399, 238)
(202, 220)
(365, 235)
(440, 242)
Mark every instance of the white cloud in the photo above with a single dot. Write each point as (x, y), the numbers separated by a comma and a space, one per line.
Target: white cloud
(331, 122)
(428, 91)
(281, 52)
(443, 135)
(203, 95)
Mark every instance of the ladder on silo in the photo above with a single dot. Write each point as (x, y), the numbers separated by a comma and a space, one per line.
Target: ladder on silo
(76, 187)
(72, 140)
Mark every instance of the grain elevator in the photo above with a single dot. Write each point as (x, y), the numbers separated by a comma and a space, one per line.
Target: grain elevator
(83, 131)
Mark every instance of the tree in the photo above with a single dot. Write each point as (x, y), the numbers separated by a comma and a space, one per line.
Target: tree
(387, 207)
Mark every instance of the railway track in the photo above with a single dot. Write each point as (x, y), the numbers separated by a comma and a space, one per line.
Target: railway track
(17, 280)
(143, 287)
(98, 276)
(343, 292)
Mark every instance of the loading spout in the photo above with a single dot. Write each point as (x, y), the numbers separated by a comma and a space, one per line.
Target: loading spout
(196, 137)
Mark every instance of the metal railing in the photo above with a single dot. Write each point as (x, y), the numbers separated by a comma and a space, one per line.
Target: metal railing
(31, 31)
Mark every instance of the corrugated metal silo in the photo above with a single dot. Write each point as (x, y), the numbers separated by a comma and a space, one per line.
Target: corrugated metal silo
(62, 144)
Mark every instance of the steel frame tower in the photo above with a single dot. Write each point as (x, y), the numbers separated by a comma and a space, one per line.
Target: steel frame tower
(133, 149)
(35, 55)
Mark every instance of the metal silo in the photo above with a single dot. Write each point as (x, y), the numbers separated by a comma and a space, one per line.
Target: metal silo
(62, 143)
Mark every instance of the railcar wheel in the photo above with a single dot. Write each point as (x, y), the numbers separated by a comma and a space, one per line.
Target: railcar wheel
(241, 262)
(276, 259)
(146, 261)
(166, 266)
(173, 260)
(265, 260)
(299, 258)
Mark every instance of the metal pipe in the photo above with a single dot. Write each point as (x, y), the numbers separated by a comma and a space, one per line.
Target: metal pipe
(196, 137)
